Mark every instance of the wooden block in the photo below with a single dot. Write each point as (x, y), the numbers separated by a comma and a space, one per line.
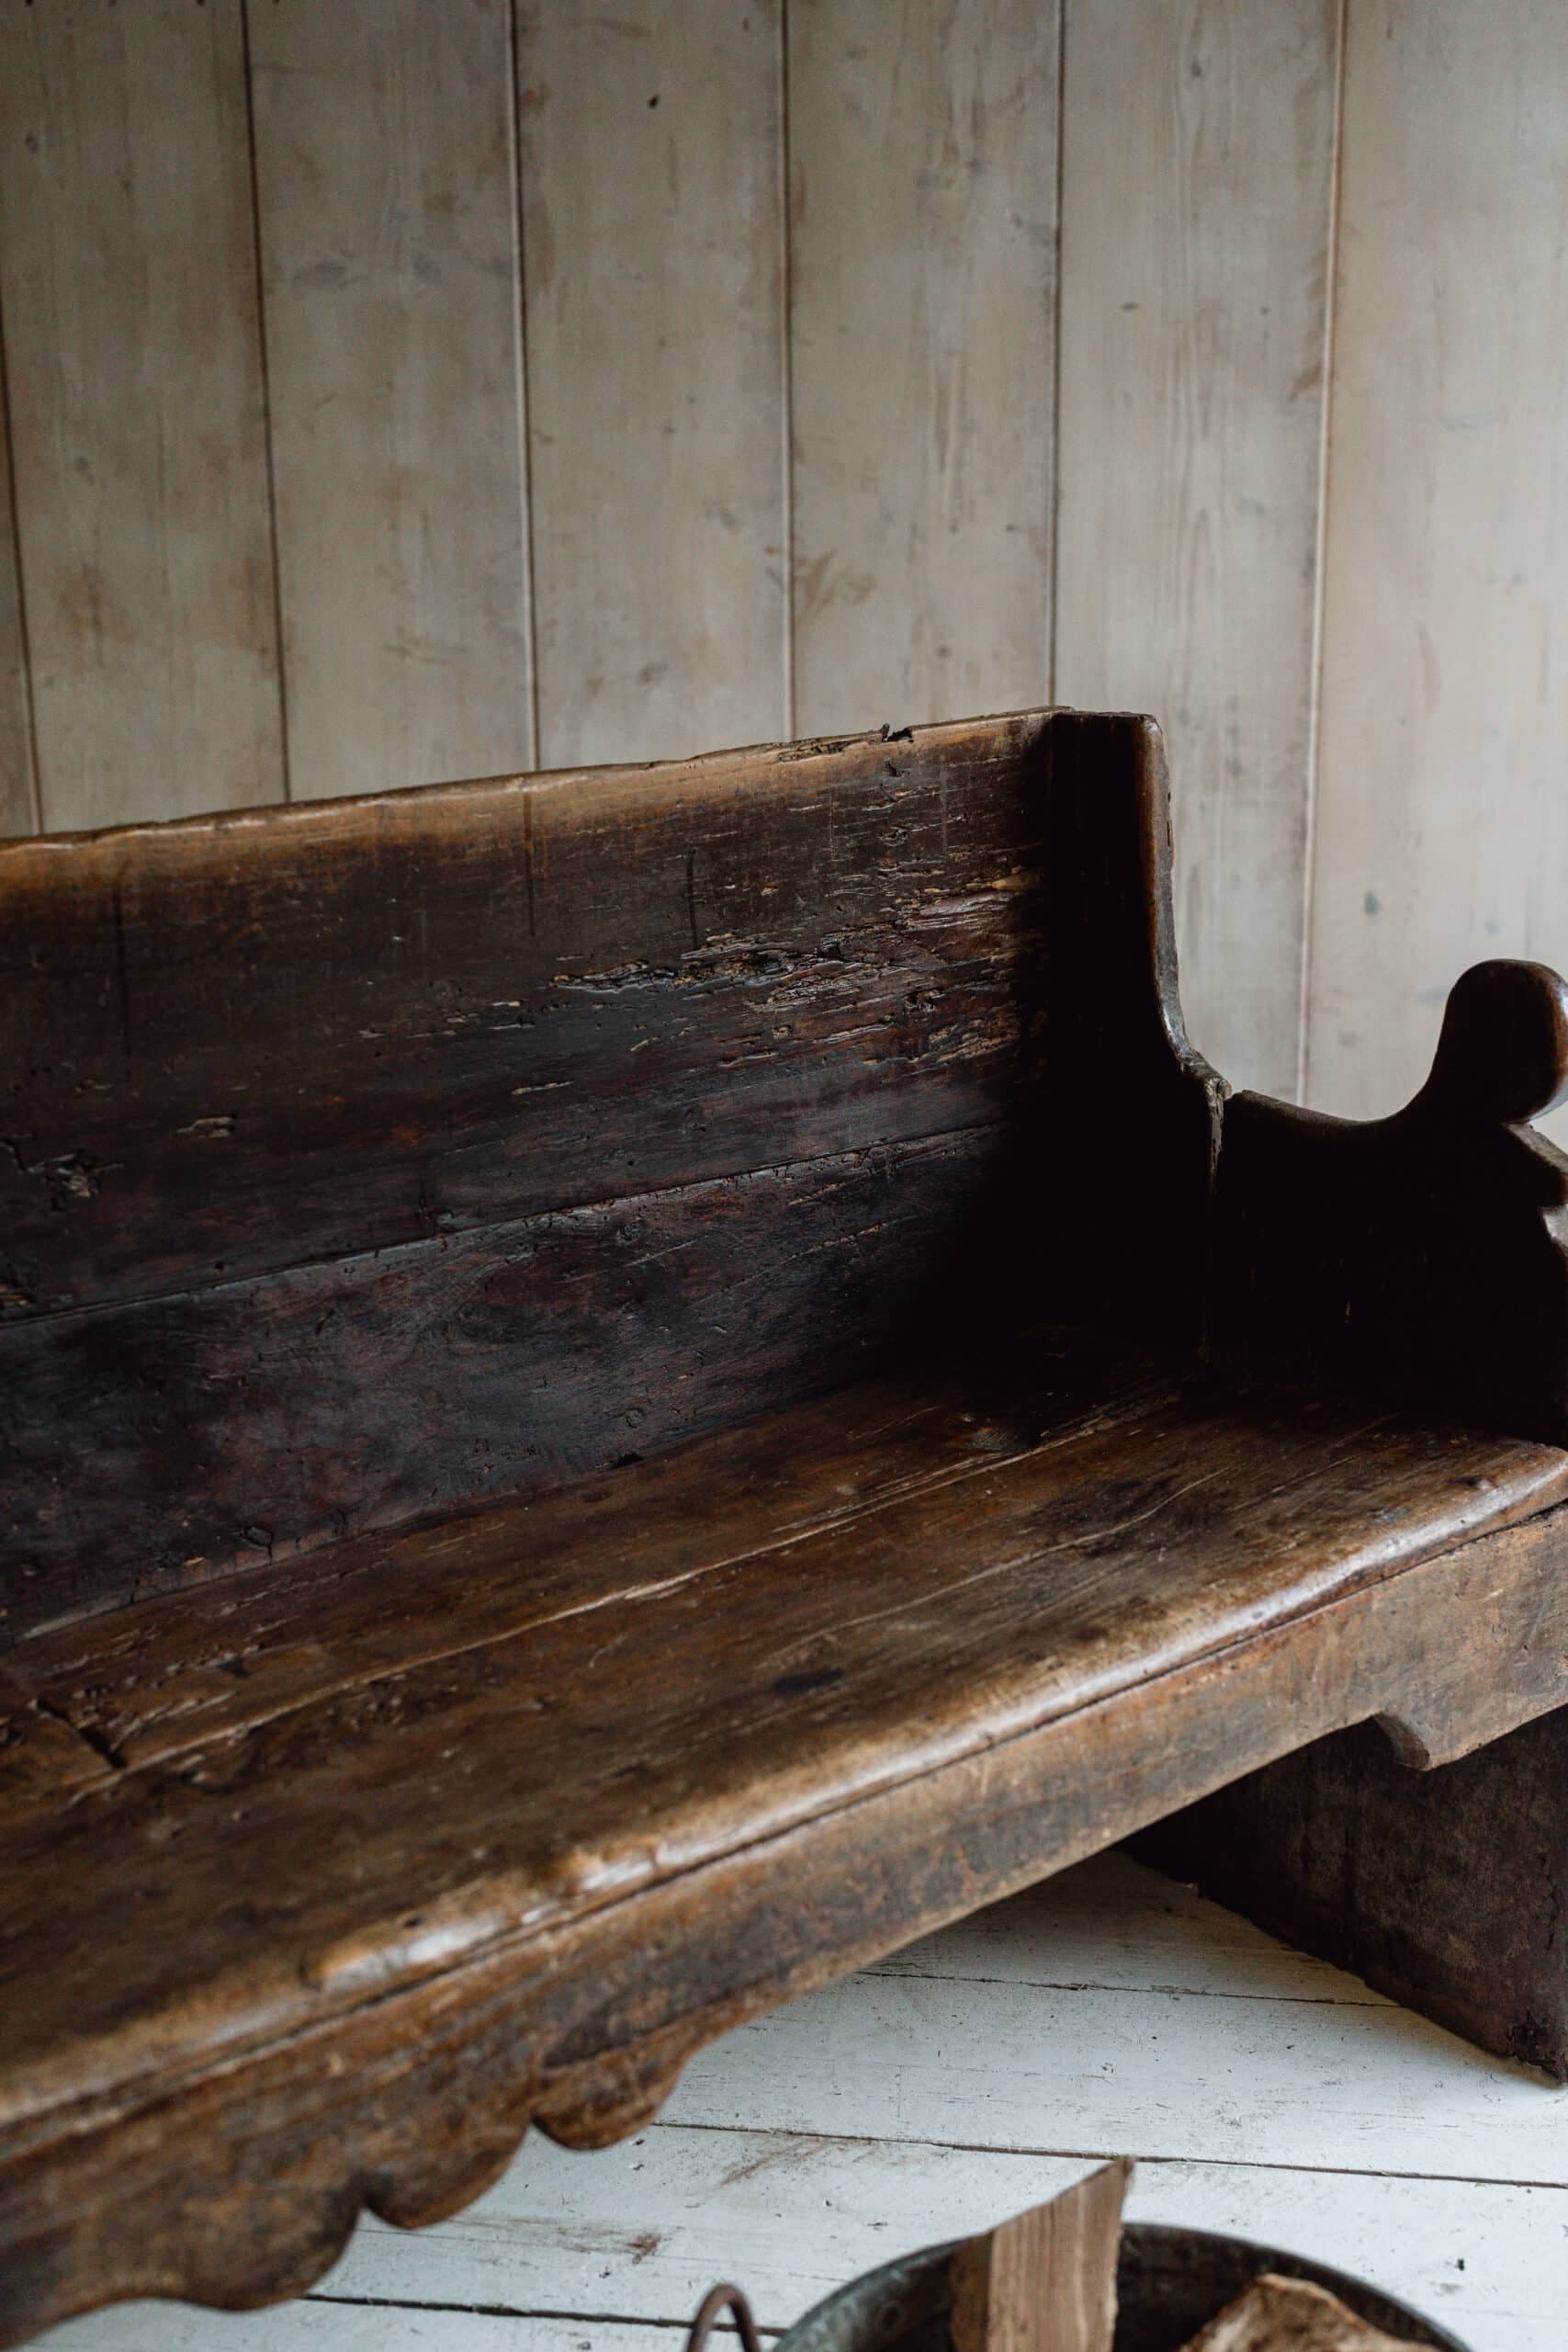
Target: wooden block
(1291, 2315)
(1045, 2281)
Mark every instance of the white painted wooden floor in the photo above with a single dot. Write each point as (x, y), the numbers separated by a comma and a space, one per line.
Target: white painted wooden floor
(1106, 2012)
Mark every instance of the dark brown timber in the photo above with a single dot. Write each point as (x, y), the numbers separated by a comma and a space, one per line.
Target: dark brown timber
(1444, 1888)
(617, 1392)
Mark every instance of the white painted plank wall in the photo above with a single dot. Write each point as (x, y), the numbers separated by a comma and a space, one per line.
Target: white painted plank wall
(981, 2070)
(1442, 832)
(134, 365)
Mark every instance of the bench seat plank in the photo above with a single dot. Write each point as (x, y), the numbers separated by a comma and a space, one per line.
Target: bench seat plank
(402, 1763)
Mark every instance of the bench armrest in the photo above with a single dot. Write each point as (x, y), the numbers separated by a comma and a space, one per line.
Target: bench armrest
(1422, 1259)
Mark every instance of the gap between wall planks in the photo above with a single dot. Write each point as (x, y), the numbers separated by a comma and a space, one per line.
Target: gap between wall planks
(1443, 818)
(922, 154)
(1198, 144)
(649, 139)
(696, 484)
(386, 195)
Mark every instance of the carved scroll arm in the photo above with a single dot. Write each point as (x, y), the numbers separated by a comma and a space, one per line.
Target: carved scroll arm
(1421, 1259)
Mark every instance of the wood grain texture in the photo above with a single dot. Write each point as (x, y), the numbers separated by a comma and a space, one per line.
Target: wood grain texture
(1443, 825)
(1061, 1664)
(18, 788)
(654, 333)
(645, 1150)
(386, 182)
(435, 1010)
(1196, 180)
(132, 349)
(923, 153)
(1045, 2281)
(499, 1814)
(261, 1417)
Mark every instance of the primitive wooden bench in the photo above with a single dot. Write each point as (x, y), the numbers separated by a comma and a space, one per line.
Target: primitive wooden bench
(620, 1391)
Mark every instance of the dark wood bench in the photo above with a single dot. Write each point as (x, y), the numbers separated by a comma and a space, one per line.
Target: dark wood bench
(620, 1391)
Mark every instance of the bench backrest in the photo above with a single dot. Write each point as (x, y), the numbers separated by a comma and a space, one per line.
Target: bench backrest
(363, 1158)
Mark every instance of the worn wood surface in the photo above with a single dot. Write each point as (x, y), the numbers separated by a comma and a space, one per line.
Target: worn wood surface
(732, 1737)
(1442, 827)
(1197, 174)
(923, 256)
(655, 341)
(133, 363)
(652, 1097)
(565, 1715)
(387, 215)
(1355, 1254)
(430, 1011)
(1444, 1889)
(1045, 2280)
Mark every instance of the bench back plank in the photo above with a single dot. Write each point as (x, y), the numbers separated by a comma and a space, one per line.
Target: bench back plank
(364, 1159)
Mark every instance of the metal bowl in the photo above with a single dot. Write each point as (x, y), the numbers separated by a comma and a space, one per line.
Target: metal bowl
(1168, 2284)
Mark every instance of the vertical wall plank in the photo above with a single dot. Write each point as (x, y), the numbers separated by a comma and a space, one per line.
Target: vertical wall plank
(1442, 831)
(652, 243)
(923, 229)
(386, 196)
(1197, 189)
(127, 286)
(18, 806)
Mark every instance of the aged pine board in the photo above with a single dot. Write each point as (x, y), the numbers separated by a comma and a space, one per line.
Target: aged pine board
(132, 344)
(1197, 169)
(1443, 827)
(419, 1012)
(922, 237)
(528, 1352)
(945, 1613)
(386, 197)
(380, 2051)
(652, 284)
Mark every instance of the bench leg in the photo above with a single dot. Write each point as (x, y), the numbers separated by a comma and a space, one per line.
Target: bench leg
(1448, 1889)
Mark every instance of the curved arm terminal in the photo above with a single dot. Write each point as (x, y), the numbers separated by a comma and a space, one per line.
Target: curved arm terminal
(1421, 1260)
(1503, 1054)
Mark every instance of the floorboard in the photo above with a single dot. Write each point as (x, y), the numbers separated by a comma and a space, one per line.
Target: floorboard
(1263, 2093)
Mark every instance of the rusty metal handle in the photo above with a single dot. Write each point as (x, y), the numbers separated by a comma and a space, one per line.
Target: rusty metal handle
(716, 2299)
